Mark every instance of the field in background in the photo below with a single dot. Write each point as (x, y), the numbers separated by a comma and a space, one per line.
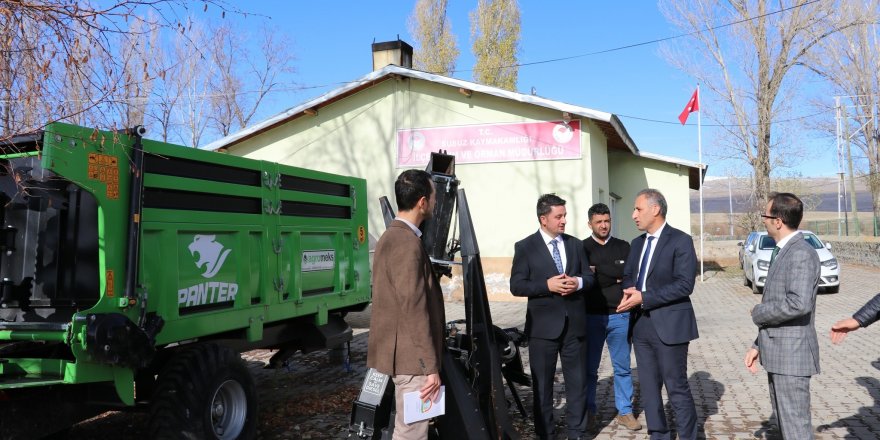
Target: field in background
(717, 225)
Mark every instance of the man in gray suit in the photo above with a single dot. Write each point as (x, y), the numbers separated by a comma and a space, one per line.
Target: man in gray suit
(787, 345)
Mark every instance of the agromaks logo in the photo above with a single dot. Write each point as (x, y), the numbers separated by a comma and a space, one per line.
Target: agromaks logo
(211, 255)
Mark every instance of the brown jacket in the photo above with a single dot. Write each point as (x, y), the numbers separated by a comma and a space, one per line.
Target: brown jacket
(408, 315)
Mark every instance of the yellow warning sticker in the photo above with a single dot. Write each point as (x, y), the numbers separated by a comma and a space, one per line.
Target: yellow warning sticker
(105, 168)
(110, 292)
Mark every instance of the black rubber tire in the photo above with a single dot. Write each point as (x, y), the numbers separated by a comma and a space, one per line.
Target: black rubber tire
(190, 389)
(834, 289)
(746, 281)
(757, 290)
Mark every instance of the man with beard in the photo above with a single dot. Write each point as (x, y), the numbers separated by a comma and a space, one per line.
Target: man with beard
(607, 255)
(408, 316)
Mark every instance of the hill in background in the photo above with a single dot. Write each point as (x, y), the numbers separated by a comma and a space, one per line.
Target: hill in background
(820, 193)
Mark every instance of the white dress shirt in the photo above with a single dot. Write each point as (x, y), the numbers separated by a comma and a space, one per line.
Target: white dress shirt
(561, 246)
(654, 242)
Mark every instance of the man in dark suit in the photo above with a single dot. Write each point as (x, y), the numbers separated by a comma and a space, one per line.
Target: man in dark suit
(658, 279)
(786, 318)
(408, 316)
(551, 269)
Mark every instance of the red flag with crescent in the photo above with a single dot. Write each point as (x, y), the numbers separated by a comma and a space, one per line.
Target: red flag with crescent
(692, 106)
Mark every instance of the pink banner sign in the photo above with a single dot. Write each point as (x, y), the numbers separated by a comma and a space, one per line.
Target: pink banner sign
(515, 142)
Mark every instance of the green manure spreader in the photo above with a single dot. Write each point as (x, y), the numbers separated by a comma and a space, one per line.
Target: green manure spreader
(134, 272)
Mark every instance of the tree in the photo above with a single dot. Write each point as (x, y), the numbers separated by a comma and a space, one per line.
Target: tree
(495, 31)
(850, 61)
(190, 81)
(129, 62)
(58, 58)
(243, 78)
(436, 49)
(751, 68)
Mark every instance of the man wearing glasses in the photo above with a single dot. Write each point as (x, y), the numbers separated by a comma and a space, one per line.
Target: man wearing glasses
(786, 345)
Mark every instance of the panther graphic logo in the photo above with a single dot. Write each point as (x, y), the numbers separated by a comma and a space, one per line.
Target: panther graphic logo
(211, 254)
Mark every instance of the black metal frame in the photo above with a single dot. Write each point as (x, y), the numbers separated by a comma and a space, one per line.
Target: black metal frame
(477, 360)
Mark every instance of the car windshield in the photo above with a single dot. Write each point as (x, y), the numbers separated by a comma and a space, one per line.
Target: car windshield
(767, 242)
(813, 241)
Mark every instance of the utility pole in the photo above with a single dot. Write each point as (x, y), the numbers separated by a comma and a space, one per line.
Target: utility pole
(852, 184)
(839, 168)
(730, 200)
(874, 136)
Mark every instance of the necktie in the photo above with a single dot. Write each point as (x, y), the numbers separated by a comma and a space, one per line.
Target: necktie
(773, 255)
(556, 257)
(643, 268)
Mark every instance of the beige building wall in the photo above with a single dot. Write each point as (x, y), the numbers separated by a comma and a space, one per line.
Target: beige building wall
(631, 174)
(357, 136)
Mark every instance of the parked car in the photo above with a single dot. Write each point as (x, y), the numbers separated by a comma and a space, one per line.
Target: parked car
(756, 261)
(745, 244)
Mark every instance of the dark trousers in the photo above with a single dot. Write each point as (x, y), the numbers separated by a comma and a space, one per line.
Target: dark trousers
(663, 365)
(543, 354)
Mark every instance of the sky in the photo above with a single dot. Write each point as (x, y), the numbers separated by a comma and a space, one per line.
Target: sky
(331, 42)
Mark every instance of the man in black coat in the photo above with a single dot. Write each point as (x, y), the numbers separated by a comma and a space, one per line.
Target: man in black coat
(551, 269)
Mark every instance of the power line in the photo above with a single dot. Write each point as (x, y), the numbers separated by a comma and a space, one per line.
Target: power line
(208, 96)
(798, 118)
(645, 43)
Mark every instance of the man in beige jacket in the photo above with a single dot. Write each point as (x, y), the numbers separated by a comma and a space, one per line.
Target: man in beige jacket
(408, 316)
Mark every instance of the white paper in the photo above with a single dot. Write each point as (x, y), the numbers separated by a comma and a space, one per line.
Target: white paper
(414, 409)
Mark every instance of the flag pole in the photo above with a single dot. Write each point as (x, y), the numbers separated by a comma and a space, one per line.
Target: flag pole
(700, 164)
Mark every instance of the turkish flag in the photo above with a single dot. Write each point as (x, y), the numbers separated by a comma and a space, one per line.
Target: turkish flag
(693, 105)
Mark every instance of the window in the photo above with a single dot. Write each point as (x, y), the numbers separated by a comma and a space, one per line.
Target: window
(814, 241)
(767, 242)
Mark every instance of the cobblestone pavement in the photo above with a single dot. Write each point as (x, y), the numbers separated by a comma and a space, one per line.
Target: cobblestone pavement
(731, 402)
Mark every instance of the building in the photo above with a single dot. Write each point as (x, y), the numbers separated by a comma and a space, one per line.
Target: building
(510, 148)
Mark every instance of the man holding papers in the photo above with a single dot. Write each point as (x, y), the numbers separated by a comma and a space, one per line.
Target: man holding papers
(408, 316)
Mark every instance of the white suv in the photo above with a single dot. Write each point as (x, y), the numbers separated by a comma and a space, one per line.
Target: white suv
(756, 261)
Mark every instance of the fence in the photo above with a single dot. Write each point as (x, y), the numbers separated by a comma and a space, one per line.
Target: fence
(848, 228)
(825, 228)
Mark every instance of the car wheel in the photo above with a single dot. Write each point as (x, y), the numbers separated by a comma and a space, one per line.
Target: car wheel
(832, 289)
(746, 281)
(757, 290)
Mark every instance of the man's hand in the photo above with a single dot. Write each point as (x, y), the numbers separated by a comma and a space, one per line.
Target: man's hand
(431, 389)
(631, 298)
(751, 360)
(562, 284)
(841, 328)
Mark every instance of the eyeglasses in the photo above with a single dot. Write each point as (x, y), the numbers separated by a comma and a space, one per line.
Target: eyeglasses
(769, 216)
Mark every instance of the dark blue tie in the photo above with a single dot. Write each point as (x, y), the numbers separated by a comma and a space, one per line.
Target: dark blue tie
(643, 268)
(557, 258)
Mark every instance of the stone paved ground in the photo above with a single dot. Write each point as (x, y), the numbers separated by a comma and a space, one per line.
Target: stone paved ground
(731, 402)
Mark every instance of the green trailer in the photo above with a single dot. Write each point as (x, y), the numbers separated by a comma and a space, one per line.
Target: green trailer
(134, 272)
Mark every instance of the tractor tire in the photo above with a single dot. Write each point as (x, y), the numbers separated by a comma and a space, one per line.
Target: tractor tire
(204, 392)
